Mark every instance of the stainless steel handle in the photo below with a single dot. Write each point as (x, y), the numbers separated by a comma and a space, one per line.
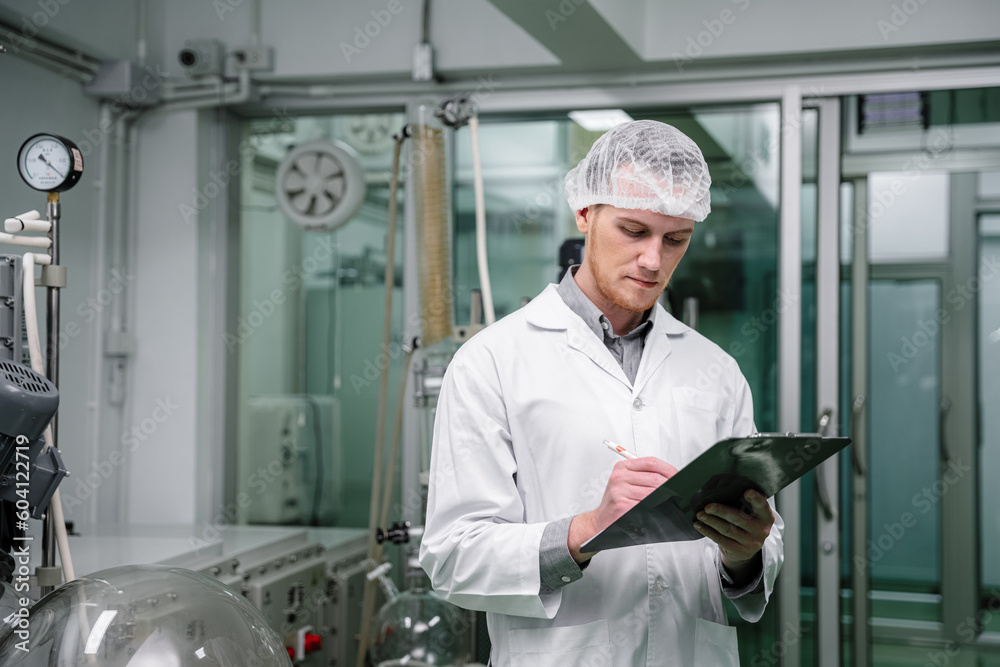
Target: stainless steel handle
(943, 411)
(857, 453)
(823, 425)
(822, 492)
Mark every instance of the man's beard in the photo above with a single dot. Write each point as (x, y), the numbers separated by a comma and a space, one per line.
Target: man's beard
(607, 290)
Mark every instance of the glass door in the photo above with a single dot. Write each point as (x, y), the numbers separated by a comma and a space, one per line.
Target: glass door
(918, 517)
(899, 323)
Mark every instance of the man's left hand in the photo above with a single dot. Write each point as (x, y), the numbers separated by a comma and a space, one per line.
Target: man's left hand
(740, 534)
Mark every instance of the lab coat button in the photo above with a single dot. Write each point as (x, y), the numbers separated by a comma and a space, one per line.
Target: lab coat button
(566, 579)
(659, 586)
(637, 404)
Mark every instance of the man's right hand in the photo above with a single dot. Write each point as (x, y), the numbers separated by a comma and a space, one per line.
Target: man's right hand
(631, 481)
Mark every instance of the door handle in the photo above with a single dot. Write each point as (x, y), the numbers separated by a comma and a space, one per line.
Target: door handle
(857, 454)
(822, 492)
(943, 411)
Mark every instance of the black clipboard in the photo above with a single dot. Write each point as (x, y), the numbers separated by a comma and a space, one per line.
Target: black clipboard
(767, 462)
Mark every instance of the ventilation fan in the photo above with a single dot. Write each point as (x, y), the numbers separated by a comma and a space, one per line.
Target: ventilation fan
(320, 185)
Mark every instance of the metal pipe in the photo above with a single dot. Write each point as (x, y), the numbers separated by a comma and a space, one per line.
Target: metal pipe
(255, 23)
(73, 63)
(177, 101)
(142, 27)
(52, 210)
(118, 216)
(101, 197)
(827, 78)
(378, 474)
(790, 345)
(129, 243)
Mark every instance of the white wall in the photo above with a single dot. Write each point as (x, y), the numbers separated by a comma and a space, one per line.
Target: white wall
(165, 366)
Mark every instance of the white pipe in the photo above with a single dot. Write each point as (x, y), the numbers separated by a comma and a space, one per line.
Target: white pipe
(255, 23)
(23, 224)
(62, 538)
(27, 221)
(218, 98)
(27, 241)
(120, 202)
(489, 314)
(134, 218)
(35, 352)
(142, 28)
(95, 365)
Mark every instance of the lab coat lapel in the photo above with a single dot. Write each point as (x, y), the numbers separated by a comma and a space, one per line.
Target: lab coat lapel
(549, 311)
(583, 339)
(657, 347)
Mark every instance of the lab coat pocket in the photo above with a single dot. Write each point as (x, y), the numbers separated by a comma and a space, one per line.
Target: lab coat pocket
(715, 644)
(703, 418)
(567, 646)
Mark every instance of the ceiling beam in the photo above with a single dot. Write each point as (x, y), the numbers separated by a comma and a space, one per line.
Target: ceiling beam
(574, 32)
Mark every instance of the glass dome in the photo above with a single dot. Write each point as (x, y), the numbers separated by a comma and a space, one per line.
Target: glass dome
(144, 616)
(419, 629)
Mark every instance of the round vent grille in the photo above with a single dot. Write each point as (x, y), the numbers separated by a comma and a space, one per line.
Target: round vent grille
(25, 378)
(320, 185)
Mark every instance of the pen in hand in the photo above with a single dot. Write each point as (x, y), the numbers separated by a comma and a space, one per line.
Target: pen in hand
(619, 449)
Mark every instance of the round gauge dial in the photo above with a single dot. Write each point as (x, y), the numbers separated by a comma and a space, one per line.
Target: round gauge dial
(50, 163)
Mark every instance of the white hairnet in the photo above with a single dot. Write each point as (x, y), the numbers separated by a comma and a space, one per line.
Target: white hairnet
(644, 164)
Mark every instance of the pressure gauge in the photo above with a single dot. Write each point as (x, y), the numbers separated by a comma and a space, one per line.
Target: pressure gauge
(50, 163)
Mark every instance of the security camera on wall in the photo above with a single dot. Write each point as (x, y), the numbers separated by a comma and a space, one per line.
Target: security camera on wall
(201, 57)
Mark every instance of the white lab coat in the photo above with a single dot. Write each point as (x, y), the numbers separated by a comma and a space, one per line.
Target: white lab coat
(523, 409)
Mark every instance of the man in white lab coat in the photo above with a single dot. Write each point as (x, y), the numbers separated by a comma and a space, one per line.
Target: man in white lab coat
(520, 478)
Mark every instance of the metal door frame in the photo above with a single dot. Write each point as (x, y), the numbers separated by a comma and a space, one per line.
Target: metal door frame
(827, 475)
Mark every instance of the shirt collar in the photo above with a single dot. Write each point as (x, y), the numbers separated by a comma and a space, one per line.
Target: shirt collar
(581, 304)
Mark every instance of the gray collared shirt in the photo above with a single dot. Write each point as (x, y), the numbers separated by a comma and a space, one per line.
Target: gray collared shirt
(556, 565)
(627, 349)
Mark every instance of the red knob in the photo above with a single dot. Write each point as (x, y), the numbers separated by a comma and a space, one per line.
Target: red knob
(313, 643)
